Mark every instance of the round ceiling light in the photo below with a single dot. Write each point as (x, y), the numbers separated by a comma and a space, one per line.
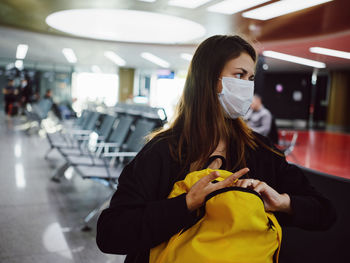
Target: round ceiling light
(126, 25)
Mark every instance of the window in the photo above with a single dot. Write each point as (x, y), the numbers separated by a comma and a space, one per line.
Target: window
(95, 87)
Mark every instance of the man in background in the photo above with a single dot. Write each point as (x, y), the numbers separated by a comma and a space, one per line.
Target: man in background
(258, 118)
(48, 95)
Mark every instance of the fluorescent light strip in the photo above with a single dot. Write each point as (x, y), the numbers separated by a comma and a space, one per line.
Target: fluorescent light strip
(330, 52)
(69, 55)
(230, 7)
(148, 1)
(186, 56)
(281, 8)
(154, 59)
(115, 58)
(294, 59)
(188, 3)
(21, 51)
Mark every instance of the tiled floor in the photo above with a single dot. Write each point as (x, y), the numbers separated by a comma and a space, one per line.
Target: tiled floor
(40, 220)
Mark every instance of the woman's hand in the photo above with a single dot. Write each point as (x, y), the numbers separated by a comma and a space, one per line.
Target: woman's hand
(196, 196)
(273, 201)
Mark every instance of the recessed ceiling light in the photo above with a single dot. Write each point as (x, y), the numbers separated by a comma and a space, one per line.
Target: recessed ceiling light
(21, 51)
(281, 8)
(115, 58)
(69, 55)
(330, 52)
(294, 59)
(156, 60)
(186, 56)
(230, 7)
(188, 3)
(126, 25)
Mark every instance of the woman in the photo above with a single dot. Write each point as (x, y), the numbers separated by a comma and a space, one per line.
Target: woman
(207, 132)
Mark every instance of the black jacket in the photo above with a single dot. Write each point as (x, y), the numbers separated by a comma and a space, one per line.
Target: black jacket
(140, 216)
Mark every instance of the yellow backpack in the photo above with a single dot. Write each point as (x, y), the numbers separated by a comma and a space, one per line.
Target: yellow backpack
(234, 229)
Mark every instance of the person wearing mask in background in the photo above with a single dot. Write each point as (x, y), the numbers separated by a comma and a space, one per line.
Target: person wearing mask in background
(258, 117)
(208, 132)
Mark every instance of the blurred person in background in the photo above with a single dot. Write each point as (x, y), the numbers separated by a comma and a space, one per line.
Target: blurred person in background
(48, 95)
(258, 117)
(54, 107)
(10, 95)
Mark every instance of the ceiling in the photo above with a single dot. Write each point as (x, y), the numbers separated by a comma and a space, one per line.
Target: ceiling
(23, 21)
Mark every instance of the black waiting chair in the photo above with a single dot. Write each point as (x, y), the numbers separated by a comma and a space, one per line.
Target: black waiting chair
(321, 246)
(287, 141)
(94, 147)
(101, 133)
(73, 137)
(109, 173)
(37, 112)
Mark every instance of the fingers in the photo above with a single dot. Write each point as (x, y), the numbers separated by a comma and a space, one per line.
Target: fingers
(210, 177)
(206, 180)
(229, 181)
(196, 196)
(255, 183)
(240, 173)
(245, 183)
(249, 183)
(259, 186)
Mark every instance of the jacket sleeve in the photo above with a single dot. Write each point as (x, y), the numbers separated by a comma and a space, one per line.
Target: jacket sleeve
(310, 209)
(138, 218)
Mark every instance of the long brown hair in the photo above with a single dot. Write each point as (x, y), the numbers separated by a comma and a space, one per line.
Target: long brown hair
(200, 122)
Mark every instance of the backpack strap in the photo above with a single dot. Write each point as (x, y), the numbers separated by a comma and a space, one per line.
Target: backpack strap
(213, 158)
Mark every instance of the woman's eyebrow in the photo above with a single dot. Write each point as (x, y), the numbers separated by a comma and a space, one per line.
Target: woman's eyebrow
(243, 70)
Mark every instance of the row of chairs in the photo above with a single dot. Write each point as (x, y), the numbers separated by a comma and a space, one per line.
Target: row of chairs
(36, 112)
(98, 145)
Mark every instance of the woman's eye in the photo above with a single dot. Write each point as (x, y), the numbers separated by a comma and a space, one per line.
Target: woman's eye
(238, 75)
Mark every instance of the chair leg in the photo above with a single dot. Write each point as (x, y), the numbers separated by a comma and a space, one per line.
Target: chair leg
(47, 153)
(291, 155)
(95, 212)
(59, 173)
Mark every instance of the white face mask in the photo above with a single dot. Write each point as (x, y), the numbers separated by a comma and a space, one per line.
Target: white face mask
(236, 96)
